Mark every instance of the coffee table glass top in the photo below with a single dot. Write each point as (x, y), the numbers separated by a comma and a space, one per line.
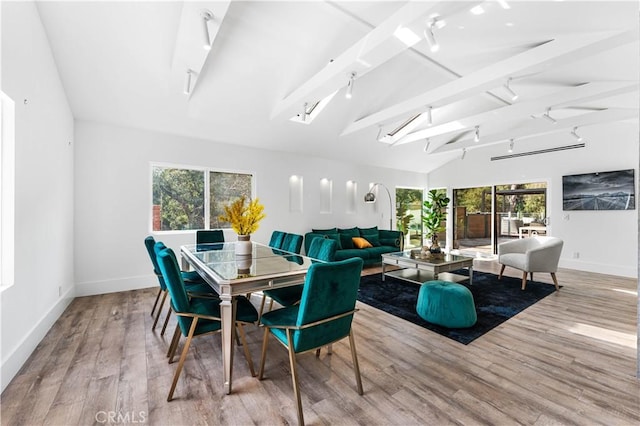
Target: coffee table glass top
(406, 255)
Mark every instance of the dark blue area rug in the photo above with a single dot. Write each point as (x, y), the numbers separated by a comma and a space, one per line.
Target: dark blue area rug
(496, 301)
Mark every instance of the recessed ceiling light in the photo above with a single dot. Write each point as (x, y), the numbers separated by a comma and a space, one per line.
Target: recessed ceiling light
(477, 10)
(509, 24)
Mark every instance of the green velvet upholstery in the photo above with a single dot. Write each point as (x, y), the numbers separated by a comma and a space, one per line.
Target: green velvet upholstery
(194, 283)
(196, 316)
(321, 249)
(447, 304)
(292, 243)
(325, 231)
(336, 238)
(323, 317)
(387, 241)
(209, 236)
(277, 237)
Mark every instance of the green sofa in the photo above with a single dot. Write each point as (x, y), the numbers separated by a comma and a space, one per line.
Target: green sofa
(382, 241)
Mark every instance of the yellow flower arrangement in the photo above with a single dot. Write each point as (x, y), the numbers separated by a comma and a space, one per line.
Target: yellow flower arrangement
(244, 220)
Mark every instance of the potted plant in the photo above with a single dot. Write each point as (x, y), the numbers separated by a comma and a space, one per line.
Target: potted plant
(244, 220)
(434, 212)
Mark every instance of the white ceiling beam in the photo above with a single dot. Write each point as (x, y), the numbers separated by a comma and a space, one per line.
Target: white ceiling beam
(540, 127)
(375, 48)
(556, 52)
(568, 97)
(189, 52)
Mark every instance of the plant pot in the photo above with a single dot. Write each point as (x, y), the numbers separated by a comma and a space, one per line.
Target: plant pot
(243, 246)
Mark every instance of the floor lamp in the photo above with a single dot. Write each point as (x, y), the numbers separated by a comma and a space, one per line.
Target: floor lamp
(370, 197)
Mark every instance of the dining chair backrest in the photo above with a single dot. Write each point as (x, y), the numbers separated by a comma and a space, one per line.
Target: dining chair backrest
(330, 289)
(277, 237)
(150, 244)
(173, 279)
(292, 243)
(323, 249)
(209, 236)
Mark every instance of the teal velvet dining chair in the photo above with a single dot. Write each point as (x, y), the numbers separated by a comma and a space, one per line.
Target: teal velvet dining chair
(197, 316)
(323, 249)
(194, 283)
(292, 243)
(323, 317)
(277, 238)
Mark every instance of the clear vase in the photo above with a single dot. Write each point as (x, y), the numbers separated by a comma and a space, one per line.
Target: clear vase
(243, 246)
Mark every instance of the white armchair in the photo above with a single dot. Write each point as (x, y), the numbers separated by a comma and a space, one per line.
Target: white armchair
(533, 254)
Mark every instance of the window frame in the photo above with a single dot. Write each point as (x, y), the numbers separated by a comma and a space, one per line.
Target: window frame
(207, 186)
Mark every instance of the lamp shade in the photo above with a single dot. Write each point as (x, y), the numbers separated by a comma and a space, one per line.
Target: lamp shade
(369, 197)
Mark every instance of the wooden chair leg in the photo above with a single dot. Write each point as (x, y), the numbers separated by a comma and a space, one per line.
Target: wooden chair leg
(356, 366)
(294, 377)
(156, 302)
(555, 280)
(182, 358)
(524, 280)
(155, 321)
(174, 344)
(261, 306)
(166, 321)
(265, 341)
(247, 354)
(501, 271)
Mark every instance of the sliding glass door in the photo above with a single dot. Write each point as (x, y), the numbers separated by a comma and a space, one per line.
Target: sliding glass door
(409, 215)
(472, 224)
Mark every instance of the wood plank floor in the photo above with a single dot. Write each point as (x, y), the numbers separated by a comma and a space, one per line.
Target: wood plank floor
(569, 359)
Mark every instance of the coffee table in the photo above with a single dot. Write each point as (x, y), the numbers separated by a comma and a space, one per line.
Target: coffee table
(419, 270)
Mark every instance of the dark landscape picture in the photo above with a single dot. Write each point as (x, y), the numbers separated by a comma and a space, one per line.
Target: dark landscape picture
(599, 191)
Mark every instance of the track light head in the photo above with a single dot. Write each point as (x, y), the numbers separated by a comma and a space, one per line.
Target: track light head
(187, 82)
(464, 153)
(428, 34)
(430, 116)
(426, 145)
(576, 135)
(476, 137)
(507, 87)
(548, 117)
(206, 17)
(349, 93)
(511, 143)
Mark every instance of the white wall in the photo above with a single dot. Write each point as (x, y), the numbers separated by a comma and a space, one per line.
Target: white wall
(605, 240)
(113, 197)
(44, 278)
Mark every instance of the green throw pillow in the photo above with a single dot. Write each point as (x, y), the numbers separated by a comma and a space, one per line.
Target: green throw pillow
(371, 235)
(336, 238)
(345, 237)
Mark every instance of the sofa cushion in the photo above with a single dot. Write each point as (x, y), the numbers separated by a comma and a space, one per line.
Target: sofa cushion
(325, 231)
(361, 243)
(348, 254)
(371, 235)
(346, 235)
(375, 252)
(336, 238)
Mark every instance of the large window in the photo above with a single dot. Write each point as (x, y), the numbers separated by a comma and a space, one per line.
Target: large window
(409, 215)
(185, 199)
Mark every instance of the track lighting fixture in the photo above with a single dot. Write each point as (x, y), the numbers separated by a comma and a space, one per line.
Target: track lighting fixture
(349, 93)
(303, 116)
(206, 17)
(511, 143)
(430, 116)
(464, 153)
(513, 94)
(379, 133)
(576, 135)
(426, 146)
(437, 22)
(476, 137)
(187, 82)
(548, 117)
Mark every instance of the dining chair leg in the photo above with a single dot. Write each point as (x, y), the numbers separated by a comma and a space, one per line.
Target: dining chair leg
(265, 341)
(555, 280)
(166, 321)
(531, 276)
(264, 297)
(182, 358)
(356, 366)
(524, 280)
(294, 377)
(247, 354)
(156, 302)
(155, 321)
(174, 344)
(501, 271)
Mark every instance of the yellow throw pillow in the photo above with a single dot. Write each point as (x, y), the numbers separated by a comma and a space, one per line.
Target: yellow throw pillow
(360, 242)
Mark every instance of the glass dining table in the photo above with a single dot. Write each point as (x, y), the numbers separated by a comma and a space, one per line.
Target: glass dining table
(231, 275)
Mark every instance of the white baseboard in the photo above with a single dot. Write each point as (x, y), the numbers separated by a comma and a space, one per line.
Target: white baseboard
(91, 288)
(600, 268)
(16, 359)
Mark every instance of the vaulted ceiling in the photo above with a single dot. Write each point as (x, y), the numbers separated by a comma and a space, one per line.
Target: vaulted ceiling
(270, 63)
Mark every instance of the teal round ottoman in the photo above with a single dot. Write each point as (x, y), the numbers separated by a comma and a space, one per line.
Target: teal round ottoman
(447, 304)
